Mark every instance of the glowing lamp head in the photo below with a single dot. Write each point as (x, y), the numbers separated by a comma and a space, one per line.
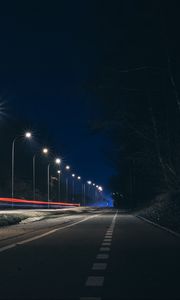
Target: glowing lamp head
(79, 178)
(59, 171)
(57, 161)
(67, 167)
(89, 182)
(100, 188)
(97, 186)
(45, 150)
(93, 184)
(73, 175)
(28, 135)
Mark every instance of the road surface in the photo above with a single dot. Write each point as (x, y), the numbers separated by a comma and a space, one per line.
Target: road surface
(97, 254)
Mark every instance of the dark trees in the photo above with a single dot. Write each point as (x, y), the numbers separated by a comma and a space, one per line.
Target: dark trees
(139, 93)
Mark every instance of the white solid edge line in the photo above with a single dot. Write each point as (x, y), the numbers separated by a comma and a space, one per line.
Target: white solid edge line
(159, 226)
(7, 247)
(37, 237)
(44, 234)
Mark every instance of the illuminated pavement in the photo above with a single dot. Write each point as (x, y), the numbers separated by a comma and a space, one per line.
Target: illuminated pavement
(93, 255)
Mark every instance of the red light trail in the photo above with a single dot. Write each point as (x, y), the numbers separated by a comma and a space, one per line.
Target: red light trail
(14, 200)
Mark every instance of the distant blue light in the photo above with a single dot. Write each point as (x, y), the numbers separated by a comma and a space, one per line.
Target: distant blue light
(103, 203)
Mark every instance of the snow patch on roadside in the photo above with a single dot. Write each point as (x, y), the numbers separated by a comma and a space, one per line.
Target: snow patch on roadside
(25, 216)
(31, 219)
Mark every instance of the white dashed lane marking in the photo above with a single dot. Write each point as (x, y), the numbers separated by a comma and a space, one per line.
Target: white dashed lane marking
(98, 281)
(105, 249)
(95, 281)
(102, 256)
(99, 266)
(90, 298)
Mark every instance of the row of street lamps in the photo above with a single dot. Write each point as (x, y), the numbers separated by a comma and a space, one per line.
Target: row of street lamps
(57, 161)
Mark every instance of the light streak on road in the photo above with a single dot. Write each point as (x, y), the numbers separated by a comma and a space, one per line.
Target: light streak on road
(23, 201)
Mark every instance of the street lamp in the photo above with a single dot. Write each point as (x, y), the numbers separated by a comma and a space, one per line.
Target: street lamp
(27, 135)
(84, 193)
(45, 151)
(59, 185)
(100, 188)
(73, 176)
(79, 179)
(67, 181)
(94, 192)
(58, 162)
(100, 191)
(89, 182)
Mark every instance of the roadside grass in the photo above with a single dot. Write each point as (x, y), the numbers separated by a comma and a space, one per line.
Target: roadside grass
(6, 220)
(164, 210)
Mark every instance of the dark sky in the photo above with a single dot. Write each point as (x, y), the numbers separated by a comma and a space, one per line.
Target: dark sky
(52, 51)
(49, 52)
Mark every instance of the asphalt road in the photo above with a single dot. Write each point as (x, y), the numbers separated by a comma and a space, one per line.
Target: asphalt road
(98, 254)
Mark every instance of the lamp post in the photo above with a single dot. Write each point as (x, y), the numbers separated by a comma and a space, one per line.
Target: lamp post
(45, 151)
(89, 184)
(94, 192)
(57, 161)
(79, 179)
(27, 135)
(59, 185)
(100, 189)
(84, 193)
(67, 183)
(73, 176)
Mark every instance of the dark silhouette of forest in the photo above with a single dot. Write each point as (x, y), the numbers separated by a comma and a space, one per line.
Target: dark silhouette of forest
(138, 84)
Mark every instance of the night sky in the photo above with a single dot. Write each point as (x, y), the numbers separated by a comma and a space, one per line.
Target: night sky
(53, 54)
(49, 52)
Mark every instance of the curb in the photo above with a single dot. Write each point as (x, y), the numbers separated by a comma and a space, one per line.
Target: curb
(160, 226)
